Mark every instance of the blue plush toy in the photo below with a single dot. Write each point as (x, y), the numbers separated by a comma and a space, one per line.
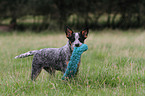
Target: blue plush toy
(74, 60)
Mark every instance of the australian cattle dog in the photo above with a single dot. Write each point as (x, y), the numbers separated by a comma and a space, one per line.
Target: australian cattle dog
(51, 59)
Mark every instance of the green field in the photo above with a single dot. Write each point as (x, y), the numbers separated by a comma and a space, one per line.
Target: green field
(114, 65)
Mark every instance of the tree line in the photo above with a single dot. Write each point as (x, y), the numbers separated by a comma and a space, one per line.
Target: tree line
(95, 14)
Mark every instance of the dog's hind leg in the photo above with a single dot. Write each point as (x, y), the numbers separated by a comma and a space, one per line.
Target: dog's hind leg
(37, 65)
(35, 72)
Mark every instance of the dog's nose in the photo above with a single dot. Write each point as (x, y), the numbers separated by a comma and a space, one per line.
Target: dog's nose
(77, 45)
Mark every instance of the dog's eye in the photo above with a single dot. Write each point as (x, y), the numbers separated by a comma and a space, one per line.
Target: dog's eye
(81, 40)
(72, 39)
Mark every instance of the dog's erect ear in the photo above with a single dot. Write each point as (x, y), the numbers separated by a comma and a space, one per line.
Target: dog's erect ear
(68, 32)
(85, 32)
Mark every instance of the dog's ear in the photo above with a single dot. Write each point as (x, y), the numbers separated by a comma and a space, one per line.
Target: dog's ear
(69, 32)
(84, 33)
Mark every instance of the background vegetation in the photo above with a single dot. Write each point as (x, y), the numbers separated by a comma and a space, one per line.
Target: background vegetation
(112, 66)
(52, 14)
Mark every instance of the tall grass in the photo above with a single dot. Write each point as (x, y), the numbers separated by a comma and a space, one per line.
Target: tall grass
(113, 65)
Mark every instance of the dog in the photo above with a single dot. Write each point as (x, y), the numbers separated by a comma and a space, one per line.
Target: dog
(52, 59)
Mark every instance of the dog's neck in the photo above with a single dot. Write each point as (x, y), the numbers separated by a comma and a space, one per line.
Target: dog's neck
(66, 50)
(68, 47)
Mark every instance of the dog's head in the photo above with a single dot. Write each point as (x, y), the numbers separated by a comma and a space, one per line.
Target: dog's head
(76, 39)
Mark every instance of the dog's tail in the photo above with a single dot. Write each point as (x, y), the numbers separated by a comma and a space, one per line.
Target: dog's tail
(29, 53)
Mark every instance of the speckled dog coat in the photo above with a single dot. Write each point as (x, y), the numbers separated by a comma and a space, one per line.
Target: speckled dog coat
(50, 59)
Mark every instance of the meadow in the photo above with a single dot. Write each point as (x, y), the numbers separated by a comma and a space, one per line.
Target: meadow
(113, 65)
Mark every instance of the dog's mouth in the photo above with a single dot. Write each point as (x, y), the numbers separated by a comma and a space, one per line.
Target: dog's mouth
(74, 45)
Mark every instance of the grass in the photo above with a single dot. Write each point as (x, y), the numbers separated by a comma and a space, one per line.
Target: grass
(113, 65)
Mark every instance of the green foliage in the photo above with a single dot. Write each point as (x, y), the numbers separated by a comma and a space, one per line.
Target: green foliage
(118, 13)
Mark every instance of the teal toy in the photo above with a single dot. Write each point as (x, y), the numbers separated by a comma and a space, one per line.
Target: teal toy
(74, 60)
